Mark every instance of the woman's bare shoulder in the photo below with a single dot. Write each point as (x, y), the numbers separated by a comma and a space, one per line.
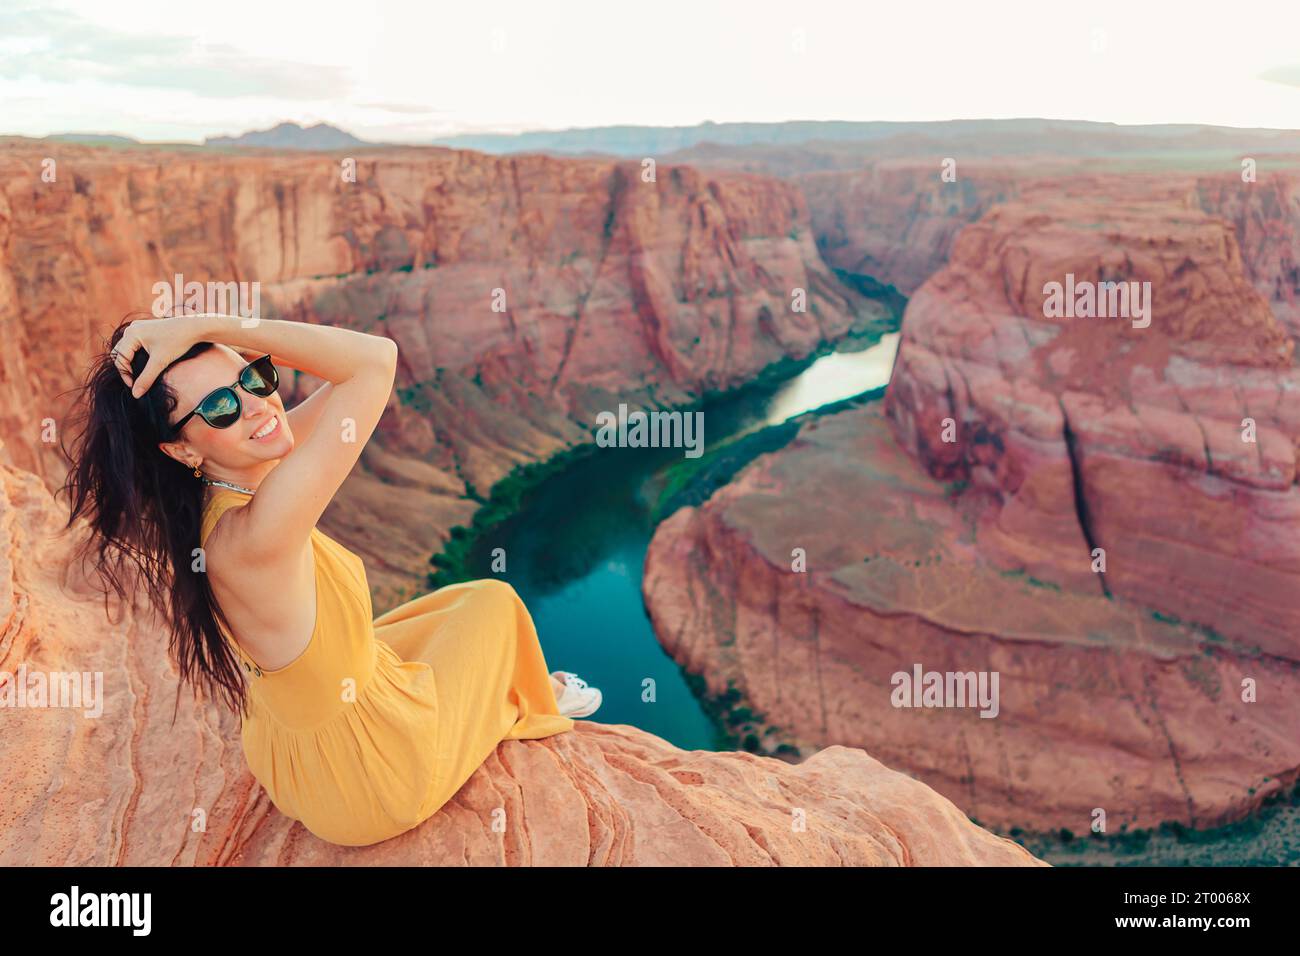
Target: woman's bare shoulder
(227, 541)
(269, 600)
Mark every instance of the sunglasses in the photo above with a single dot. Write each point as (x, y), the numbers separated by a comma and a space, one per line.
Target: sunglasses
(221, 407)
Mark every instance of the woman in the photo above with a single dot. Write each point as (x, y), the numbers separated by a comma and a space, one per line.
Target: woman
(190, 469)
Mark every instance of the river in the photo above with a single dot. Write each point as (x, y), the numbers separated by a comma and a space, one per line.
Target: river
(575, 550)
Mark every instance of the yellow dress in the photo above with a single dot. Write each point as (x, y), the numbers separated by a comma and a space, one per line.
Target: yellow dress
(380, 721)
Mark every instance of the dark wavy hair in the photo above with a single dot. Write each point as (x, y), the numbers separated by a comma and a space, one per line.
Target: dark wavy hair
(144, 510)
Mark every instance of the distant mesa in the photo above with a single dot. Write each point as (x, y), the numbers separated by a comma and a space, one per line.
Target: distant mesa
(796, 146)
(1025, 136)
(94, 139)
(322, 136)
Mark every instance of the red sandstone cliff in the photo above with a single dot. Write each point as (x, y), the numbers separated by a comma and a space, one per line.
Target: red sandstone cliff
(1093, 433)
(1121, 691)
(896, 222)
(1265, 215)
(615, 289)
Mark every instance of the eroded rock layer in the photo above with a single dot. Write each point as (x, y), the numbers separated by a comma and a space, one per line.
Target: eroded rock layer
(960, 528)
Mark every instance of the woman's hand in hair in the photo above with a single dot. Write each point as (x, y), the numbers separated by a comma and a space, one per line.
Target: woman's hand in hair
(165, 340)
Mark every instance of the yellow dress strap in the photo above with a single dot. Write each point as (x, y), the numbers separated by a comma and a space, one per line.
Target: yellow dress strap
(221, 501)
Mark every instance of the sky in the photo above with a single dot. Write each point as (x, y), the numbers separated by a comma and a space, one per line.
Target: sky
(176, 70)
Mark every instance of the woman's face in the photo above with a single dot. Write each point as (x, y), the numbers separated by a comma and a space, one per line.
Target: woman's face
(224, 452)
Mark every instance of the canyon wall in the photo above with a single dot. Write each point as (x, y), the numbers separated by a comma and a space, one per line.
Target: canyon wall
(893, 222)
(1162, 689)
(525, 294)
(1265, 216)
(1094, 432)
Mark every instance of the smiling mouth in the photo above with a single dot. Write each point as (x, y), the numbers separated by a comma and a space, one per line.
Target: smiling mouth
(270, 428)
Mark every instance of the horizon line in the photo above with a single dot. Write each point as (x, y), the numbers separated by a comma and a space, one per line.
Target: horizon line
(506, 133)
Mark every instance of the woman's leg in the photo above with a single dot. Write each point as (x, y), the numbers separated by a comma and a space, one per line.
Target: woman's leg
(490, 678)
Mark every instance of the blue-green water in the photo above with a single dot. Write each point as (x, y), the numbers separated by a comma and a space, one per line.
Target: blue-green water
(575, 551)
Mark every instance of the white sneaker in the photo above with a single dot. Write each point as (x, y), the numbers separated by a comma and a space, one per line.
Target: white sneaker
(578, 700)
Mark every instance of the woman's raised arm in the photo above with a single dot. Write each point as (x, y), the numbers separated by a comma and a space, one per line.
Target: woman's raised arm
(360, 369)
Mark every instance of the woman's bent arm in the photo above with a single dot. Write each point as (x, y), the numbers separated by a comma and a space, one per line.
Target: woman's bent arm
(304, 416)
(361, 368)
(321, 350)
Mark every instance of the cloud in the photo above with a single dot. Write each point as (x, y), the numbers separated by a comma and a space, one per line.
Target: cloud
(60, 47)
(1286, 75)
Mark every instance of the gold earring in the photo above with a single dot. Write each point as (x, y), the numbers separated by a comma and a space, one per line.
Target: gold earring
(197, 473)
